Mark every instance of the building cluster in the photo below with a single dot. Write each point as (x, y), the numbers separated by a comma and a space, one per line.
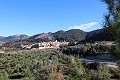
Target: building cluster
(44, 45)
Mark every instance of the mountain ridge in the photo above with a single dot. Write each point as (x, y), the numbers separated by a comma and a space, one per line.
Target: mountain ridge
(70, 35)
(14, 38)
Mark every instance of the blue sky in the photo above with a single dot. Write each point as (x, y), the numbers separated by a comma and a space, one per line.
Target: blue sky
(36, 16)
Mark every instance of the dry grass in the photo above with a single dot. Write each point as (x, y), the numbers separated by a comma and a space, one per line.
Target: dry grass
(57, 76)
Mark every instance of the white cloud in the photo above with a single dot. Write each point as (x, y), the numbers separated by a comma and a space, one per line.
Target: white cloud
(84, 26)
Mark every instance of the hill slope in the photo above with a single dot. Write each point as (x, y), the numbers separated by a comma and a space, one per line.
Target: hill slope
(14, 38)
(70, 35)
(42, 37)
(1, 37)
(99, 35)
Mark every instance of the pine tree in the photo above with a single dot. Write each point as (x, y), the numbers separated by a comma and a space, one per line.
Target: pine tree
(112, 23)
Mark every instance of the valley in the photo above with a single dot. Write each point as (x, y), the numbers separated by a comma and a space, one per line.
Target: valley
(45, 56)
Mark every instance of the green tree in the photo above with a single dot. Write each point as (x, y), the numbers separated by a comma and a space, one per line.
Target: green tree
(76, 69)
(112, 23)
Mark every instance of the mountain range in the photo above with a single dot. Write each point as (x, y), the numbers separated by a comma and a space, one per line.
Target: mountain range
(99, 35)
(70, 35)
(13, 38)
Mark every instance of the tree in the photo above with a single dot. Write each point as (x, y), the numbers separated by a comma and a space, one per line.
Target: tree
(112, 23)
(101, 74)
(112, 19)
(76, 69)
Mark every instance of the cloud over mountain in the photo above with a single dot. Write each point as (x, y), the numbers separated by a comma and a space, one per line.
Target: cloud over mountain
(84, 26)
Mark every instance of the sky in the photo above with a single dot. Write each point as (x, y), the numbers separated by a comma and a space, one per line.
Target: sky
(37, 16)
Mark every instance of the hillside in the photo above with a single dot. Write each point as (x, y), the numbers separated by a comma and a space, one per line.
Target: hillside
(42, 37)
(1, 37)
(99, 35)
(13, 38)
(70, 35)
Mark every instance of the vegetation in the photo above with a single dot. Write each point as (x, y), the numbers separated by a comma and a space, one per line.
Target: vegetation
(99, 35)
(65, 63)
(87, 49)
(71, 35)
(48, 64)
(112, 23)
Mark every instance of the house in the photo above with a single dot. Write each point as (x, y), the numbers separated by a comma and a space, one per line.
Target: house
(44, 45)
(50, 44)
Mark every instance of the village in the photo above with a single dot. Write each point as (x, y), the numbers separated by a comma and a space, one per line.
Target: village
(44, 45)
